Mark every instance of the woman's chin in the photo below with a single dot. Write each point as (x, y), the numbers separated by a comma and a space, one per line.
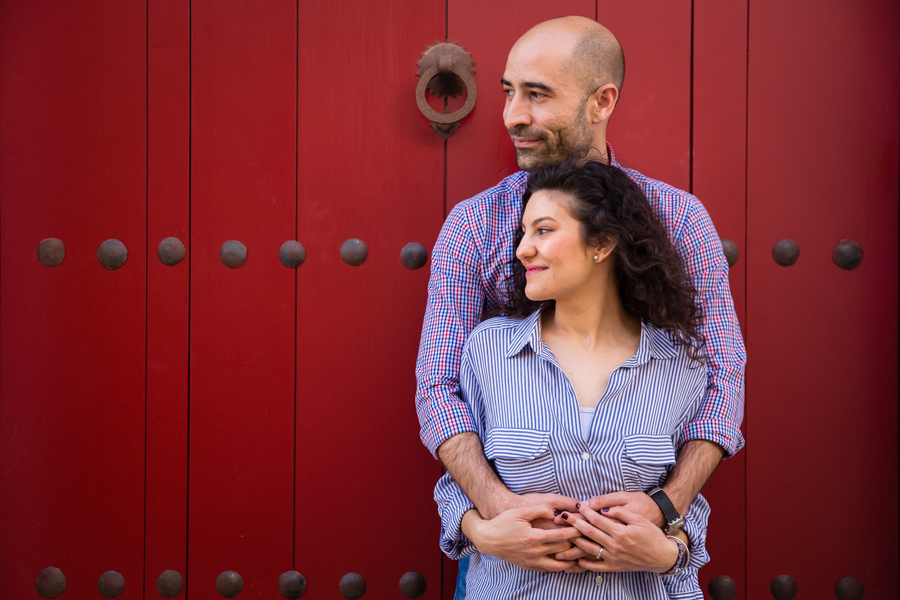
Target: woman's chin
(536, 295)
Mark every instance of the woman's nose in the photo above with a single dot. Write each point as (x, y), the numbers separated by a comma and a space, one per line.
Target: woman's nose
(525, 250)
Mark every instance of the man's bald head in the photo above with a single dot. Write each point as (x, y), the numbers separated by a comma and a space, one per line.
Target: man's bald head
(596, 56)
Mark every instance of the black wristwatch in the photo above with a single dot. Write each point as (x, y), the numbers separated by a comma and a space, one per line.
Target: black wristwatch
(674, 521)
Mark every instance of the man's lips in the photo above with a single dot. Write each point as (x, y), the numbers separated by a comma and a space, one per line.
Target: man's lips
(519, 142)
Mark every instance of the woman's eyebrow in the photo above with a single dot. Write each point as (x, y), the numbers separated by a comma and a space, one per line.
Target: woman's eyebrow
(539, 219)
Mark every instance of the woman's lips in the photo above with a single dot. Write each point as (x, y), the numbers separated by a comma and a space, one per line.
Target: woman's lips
(533, 270)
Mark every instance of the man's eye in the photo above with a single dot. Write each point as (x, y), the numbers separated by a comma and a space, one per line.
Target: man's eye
(507, 92)
(537, 95)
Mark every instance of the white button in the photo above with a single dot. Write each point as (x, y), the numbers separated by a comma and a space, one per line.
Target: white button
(599, 579)
(586, 456)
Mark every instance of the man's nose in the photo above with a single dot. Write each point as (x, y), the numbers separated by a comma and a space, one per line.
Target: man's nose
(516, 114)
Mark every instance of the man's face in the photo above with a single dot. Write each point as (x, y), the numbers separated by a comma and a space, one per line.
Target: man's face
(545, 105)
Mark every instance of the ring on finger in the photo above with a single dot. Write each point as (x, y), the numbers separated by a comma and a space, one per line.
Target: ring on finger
(599, 553)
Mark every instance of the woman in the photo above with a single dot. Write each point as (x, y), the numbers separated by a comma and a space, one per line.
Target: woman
(582, 389)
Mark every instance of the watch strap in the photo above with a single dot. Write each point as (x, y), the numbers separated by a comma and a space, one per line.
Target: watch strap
(674, 521)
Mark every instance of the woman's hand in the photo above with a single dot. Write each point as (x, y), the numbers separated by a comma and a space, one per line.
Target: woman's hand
(628, 540)
(510, 536)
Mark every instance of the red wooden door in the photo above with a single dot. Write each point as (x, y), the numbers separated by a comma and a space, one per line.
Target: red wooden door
(822, 452)
(225, 424)
(72, 351)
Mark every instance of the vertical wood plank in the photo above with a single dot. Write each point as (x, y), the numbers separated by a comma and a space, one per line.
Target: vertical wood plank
(168, 214)
(243, 99)
(719, 180)
(72, 351)
(650, 129)
(824, 125)
(370, 168)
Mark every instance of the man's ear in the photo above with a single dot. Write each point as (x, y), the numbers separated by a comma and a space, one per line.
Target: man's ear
(602, 103)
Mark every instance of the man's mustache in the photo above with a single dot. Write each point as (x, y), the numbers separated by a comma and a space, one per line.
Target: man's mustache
(524, 134)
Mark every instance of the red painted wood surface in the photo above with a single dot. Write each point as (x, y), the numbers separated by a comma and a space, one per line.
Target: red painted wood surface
(369, 167)
(719, 180)
(823, 166)
(72, 144)
(243, 164)
(650, 129)
(168, 215)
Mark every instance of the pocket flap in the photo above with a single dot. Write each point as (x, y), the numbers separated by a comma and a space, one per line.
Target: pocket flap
(523, 444)
(650, 449)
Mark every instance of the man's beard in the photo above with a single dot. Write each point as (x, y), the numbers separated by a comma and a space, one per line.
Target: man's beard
(575, 139)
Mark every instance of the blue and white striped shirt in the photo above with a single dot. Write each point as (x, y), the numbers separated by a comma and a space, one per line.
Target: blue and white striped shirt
(528, 419)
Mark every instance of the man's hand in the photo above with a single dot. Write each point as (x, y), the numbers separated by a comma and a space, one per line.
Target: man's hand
(635, 502)
(511, 537)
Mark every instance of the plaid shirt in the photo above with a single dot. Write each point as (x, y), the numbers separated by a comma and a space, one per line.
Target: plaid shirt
(471, 260)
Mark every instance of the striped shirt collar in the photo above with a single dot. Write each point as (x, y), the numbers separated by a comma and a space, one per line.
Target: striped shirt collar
(655, 343)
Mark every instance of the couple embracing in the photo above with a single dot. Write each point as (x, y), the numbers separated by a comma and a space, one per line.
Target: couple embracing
(577, 427)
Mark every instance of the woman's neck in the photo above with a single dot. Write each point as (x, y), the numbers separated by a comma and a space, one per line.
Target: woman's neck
(591, 320)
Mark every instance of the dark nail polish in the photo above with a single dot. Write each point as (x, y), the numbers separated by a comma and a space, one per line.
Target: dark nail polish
(565, 516)
(605, 510)
(578, 505)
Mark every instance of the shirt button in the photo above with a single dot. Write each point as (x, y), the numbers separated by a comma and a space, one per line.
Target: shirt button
(586, 456)
(599, 579)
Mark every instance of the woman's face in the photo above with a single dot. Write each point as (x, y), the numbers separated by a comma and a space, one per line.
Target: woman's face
(558, 264)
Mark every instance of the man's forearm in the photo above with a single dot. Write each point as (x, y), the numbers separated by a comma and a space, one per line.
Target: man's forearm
(463, 456)
(697, 461)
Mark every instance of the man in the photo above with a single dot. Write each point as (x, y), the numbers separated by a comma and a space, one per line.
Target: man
(562, 80)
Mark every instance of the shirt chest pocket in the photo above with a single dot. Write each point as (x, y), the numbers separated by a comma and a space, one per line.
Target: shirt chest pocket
(522, 459)
(645, 459)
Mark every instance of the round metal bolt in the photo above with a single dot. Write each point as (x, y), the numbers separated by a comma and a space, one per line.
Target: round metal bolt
(229, 584)
(848, 588)
(731, 252)
(292, 254)
(412, 585)
(112, 254)
(169, 583)
(50, 582)
(51, 252)
(170, 251)
(354, 252)
(722, 588)
(413, 256)
(111, 584)
(352, 586)
(291, 584)
(847, 255)
(786, 252)
(783, 587)
(233, 254)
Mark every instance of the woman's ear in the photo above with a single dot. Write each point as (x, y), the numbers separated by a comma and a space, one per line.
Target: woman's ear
(603, 250)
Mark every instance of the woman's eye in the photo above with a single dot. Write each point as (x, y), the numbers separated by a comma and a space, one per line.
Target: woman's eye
(543, 230)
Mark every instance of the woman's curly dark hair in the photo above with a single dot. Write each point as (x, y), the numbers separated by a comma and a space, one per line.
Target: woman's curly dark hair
(652, 281)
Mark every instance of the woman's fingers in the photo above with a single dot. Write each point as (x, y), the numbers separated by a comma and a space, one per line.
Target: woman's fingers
(597, 534)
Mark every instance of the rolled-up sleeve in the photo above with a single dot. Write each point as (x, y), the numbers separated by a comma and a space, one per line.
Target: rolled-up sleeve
(452, 505)
(722, 408)
(455, 303)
